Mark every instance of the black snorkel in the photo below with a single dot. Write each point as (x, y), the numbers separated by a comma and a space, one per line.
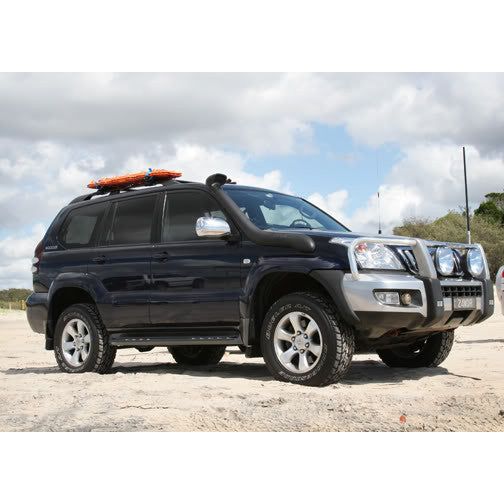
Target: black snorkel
(296, 241)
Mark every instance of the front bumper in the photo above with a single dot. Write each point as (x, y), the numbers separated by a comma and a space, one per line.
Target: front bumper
(432, 309)
(375, 318)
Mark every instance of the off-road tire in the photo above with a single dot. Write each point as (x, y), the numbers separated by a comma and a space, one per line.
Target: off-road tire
(429, 354)
(101, 356)
(197, 355)
(337, 339)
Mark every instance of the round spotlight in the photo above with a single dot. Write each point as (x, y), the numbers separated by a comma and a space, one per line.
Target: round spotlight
(445, 261)
(475, 262)
(406, 298)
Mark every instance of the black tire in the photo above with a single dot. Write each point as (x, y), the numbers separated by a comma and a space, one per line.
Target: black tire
(101, 354)
(429, 353)
(197, 355)
(337, 340)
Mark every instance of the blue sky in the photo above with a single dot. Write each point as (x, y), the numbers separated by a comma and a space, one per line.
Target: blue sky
(332, 162)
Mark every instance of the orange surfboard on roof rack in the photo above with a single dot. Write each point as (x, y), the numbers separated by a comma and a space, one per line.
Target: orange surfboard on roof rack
(144, 178)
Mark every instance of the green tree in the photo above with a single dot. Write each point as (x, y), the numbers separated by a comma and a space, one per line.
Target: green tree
(14, 294)
(497, 198)
(492, 208)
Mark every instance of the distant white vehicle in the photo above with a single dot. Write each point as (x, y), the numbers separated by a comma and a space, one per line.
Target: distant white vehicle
(499, 283)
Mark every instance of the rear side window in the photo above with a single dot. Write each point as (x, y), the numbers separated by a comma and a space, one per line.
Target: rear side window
(182, 210)
(81, 225)
(132, 221)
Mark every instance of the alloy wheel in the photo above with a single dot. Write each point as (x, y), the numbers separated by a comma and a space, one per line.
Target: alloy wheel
(76, 342)
(298, 342)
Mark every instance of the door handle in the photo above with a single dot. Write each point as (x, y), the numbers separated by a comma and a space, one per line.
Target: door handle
(99, 259)
(160, 256)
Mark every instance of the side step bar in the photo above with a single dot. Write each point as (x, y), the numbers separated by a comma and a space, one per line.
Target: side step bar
(132, 340)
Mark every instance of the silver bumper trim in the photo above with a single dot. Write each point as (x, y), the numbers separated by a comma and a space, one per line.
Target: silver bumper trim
(360, 295)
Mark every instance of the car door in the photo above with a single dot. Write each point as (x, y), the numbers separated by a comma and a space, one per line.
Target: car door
(122, 262)
(196, 281)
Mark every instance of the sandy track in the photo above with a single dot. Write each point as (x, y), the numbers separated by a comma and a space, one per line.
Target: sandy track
(148, 391)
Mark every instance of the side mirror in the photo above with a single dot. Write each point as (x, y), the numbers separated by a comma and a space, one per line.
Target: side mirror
(212, 226)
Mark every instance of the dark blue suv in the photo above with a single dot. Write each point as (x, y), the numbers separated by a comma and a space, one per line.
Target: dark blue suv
(197, 267)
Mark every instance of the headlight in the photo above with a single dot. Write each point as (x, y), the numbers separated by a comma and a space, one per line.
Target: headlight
(376, 256)
(475, 262)
(445, 261)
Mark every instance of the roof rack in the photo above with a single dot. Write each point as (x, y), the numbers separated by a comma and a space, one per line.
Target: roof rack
(109, 192)
(100, 192)
(216, 180)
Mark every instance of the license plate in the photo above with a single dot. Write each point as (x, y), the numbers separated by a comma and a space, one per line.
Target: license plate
(464, 303)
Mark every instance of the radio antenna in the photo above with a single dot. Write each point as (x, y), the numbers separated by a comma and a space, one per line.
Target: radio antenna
(468, 219)
(378, 193)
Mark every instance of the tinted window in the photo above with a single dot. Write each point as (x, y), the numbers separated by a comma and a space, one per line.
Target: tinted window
(81, 225)
(182, 210)
(269, 210)
(132, 221)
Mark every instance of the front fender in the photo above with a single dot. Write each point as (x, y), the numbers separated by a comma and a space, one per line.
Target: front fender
(263, 267)
(332, 281)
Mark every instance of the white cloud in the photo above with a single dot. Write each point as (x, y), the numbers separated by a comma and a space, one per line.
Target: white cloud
(257, 113)
(22, 246)
(16, 251)
(436, 171)
(43, 178)
(334, 204)
(426, 182)
(396, 202)
(39, 179)
(197, 162)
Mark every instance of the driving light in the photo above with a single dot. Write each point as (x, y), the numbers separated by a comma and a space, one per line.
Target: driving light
(445, 261)
(376, 256)
(406, 298)
(387, 297)
(475, 262)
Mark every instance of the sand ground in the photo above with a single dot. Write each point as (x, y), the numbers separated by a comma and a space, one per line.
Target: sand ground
(149, 392)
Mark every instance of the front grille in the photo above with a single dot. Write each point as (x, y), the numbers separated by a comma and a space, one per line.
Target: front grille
(451, 291)
(408, 259)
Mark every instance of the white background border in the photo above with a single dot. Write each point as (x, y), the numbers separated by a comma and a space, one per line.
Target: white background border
(245, 35)
(251, 468)
(237, 35)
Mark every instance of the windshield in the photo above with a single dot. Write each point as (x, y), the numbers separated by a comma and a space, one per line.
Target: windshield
(269, 210)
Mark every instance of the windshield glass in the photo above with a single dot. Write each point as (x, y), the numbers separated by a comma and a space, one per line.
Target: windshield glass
(269, 210)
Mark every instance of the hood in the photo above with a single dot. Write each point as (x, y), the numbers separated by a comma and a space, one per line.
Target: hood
(351, 235)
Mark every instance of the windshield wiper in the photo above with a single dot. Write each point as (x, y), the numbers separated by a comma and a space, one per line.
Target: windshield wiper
(286, 228)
